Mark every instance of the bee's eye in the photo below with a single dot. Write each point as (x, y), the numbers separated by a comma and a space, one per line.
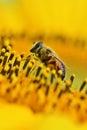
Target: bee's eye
(38, 44)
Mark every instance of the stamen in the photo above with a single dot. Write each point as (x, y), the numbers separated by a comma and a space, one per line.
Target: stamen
(83, 85)
(28, 69)
(47, 90)
(11, 56)
(72, 78)
(39, 69)
(17, 61)
(60, 73)
(57, 84)
(26, 63)
(53, 75)
(5, 58)
(3, 52)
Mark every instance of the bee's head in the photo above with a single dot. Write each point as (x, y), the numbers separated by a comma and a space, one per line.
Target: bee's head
(36, 46)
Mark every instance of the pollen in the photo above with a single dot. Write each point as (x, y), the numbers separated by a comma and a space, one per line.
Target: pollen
(27, 81)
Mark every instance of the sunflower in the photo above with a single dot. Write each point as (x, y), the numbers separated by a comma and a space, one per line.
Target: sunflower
(32, 94)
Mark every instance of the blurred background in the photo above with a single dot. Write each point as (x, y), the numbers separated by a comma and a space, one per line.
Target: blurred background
(60, 24)
(45, 16)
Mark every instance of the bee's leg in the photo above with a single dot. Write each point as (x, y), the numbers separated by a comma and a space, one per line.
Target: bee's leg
(63, 72)
(47, 59)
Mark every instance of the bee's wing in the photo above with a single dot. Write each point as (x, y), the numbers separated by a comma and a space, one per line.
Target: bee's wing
(53, 53)
(57, 57)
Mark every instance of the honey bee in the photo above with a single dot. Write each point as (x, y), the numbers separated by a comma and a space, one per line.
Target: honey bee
(48, 56)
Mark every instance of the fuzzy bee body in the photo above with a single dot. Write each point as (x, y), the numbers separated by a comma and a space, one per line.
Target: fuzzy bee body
(48, 56)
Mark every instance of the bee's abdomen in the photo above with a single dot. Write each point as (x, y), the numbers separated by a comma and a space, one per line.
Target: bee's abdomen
(57, 65)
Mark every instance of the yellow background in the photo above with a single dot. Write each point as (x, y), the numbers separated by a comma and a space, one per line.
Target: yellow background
(64, 17)
(47, 16)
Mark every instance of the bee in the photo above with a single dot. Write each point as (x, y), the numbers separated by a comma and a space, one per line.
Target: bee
(48, 56)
